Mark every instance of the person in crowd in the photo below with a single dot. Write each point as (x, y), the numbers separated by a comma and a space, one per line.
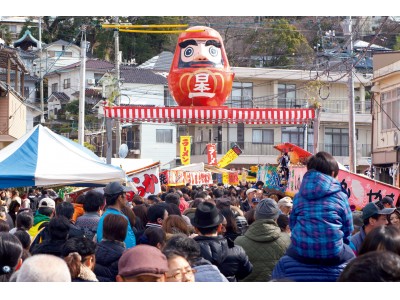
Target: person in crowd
(381, 238)
(43, 268)
(141, 219)
(13, 210)
(357, 221)
(24, 222)
(78, 207)
(58, 229)
(25, 240)
(79, 254)
(15, 197)
(4, 227)
(156, 214)
(111, 247)
(45, 212)
(394, 219)
(93, 204)
(387, 202)
(283, 223)
(231, 231)
(179, 269)
(10, 255)
(114, 193)
(374, 266)
(246, 204)
(374, 214)
(153, 236)
(190, 249)
(285, 205)
(4, 216)
(152, 199)
(249, 216)
(67, 210)
(142, 263)
(263, 242)
(175, 224)
(231, 261)
(321, 220)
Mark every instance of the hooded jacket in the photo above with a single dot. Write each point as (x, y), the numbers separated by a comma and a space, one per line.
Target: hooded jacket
(264, 244)
(231, 261)
(321, 220)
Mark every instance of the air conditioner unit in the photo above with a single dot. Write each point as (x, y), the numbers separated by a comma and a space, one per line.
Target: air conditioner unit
(91, 81)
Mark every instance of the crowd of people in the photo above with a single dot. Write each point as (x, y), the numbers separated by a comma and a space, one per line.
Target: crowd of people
(201, 234)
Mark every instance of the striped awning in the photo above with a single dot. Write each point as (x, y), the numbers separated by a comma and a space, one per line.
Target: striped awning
(210, 115)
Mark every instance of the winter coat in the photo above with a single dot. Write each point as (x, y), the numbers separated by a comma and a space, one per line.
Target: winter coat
(264, 244)
(291, 269)
(207, 272)
(321, 220)
(108, 254)
(53, 247)
(357, 240)
(231, 261)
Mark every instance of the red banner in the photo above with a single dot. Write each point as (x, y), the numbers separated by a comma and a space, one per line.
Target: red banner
(212, 154)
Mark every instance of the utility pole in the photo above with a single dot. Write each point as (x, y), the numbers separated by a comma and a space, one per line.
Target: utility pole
(40, 71)
(117, 76)
(82, 85)
(347, 30)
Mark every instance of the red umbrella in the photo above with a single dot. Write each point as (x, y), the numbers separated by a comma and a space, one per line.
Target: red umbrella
(288, 147)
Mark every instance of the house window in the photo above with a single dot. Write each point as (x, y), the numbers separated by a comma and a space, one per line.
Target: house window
(263, 136)
(26, 91)
(54, 88)
(337, 141)
(295, 135)
(168, 100)
(286, 95)
(67, 83)
(164, 136)
(390, 109)
(242, 95)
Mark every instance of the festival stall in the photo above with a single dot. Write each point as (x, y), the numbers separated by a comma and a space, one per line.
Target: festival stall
(44, 158)
(360, 188)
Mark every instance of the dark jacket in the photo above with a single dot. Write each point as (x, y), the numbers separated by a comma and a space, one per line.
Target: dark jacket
(231, 261)
(265, 244)
(291, 269)
(108, 254)
(53, 247)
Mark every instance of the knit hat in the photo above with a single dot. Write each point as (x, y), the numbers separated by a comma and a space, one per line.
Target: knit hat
(267, 209)
(142, 260)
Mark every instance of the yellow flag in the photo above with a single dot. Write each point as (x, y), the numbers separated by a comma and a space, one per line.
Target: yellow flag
(230, 156)
(185, 149)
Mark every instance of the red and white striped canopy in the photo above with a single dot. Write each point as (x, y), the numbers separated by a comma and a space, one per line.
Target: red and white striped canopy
(210, 115)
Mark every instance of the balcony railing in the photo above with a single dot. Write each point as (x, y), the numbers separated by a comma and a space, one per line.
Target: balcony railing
(200, 148)
(338, 105)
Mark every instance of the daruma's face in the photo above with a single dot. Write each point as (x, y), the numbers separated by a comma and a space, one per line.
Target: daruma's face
(200, 53)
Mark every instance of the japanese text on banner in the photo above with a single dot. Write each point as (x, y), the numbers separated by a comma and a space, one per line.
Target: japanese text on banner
(230, 156)
(212, 154)
(185, 149)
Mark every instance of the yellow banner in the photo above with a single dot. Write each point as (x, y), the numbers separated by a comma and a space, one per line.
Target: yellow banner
(230, 156)
(185, 149)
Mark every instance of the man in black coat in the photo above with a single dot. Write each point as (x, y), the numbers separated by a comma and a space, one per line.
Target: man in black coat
(231, 259)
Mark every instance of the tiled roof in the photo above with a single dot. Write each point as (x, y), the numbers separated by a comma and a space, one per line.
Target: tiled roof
(160, 62)
(64, 98)
(59, 42)
(144, 76)
(93, 64)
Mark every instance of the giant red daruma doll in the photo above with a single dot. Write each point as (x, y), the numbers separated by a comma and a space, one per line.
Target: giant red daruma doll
(200, 74)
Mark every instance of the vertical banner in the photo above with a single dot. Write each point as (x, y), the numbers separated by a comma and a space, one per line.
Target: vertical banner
(185, 149)
(230, 156)
(225, 178)
(212, 154)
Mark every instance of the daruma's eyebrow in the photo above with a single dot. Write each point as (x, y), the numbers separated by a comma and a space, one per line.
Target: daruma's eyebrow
(213, 43)
(186, 43)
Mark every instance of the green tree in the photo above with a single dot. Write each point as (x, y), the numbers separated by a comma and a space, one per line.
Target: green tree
(281, 44)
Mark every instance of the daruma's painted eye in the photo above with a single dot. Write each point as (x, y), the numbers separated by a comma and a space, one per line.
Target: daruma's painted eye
(213, 51)
(188, 52)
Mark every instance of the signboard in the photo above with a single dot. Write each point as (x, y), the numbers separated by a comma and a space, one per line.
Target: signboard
(185, 150)
(230, 156)
(178, 178)
(147, 182)
(212, 154)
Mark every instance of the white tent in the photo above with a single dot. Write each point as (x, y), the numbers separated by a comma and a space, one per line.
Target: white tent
(44, 158)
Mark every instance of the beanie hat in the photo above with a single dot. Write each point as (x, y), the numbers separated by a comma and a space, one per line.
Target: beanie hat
(267, 209)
